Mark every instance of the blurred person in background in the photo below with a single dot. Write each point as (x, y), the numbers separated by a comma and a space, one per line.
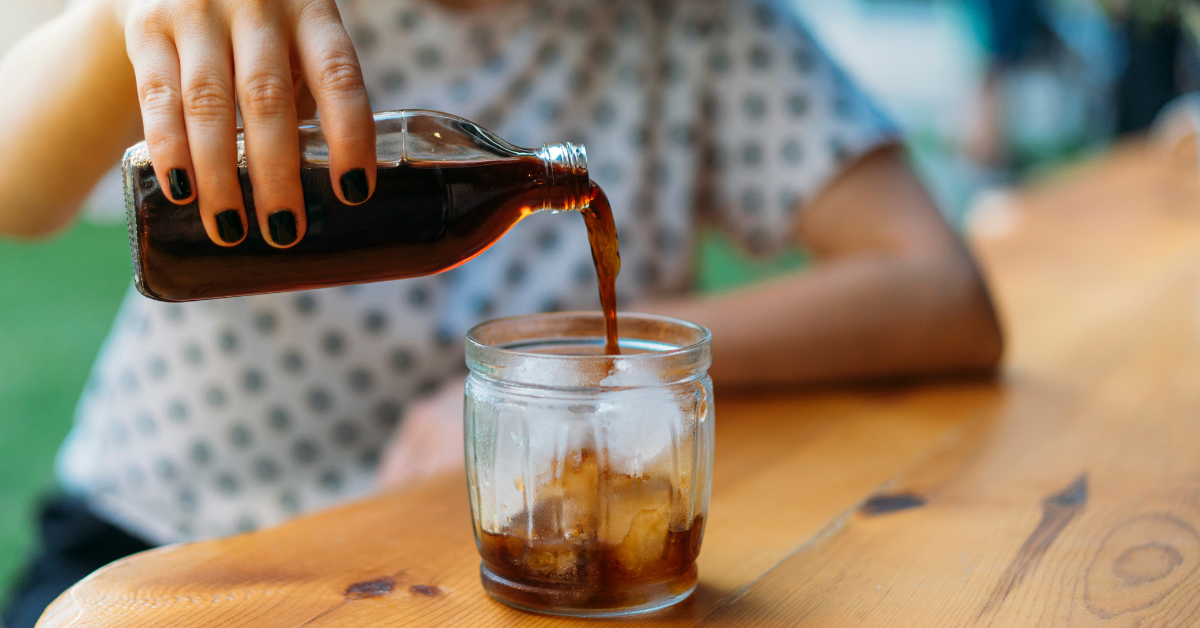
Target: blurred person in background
(1161, 59)
(1067, 75)
(206, 419)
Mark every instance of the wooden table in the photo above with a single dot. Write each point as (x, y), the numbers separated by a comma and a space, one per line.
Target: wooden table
(1067, 493)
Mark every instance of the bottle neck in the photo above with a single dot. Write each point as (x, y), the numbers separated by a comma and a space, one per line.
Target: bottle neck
(568, 187)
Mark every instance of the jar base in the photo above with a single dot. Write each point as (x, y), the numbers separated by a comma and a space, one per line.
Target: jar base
(571, 601)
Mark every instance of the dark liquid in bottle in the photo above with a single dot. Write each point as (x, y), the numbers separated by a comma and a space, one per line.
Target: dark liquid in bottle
(422, 219)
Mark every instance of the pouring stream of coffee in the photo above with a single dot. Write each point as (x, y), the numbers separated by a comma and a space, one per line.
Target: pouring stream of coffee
(602, 234)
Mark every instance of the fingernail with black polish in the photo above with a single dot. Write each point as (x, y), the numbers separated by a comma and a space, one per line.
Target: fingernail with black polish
(283, 227)
(229, 226)
(354, 186)
(181, 186)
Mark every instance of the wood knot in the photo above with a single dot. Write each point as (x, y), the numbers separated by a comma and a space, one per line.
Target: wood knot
(1141, 563)
(1146, 563)
(371, 588)
(427, 591)
(883, 504)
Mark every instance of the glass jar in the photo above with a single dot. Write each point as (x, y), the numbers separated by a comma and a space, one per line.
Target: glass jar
(589, 475)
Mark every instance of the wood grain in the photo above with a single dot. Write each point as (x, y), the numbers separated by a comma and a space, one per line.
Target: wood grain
(1078, 505)
(409, 558)
(1066, 494)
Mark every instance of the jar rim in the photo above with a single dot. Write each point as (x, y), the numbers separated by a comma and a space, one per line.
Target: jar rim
(663, 350)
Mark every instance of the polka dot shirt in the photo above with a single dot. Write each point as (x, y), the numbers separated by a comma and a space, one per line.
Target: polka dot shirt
(209, 418)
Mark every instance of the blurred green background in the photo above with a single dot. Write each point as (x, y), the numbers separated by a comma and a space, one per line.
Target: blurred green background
(57, 300)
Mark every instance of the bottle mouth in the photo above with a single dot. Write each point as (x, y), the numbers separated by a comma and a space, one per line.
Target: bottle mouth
(567, 176)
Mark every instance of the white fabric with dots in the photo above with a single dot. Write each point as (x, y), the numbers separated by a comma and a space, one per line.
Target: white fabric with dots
(203, 419)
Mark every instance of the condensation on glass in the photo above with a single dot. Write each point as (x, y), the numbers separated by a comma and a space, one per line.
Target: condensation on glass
(589, 475)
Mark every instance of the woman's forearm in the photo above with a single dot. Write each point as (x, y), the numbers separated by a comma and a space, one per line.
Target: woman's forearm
(862, 316)
(894, 292)
(67, 110)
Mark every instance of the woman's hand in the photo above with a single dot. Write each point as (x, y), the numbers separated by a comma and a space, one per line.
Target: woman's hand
(198, 61)
(429, 441)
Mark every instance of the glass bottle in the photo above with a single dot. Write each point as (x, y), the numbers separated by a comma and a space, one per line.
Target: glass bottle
(446, 190)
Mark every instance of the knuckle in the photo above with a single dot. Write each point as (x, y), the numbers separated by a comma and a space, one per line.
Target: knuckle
(266, 95)
(158, 94)
(161, 144)
(258, 10)
(149, 18)
(321, 12)
(207, 98)
(339, 74)
(194, 7)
